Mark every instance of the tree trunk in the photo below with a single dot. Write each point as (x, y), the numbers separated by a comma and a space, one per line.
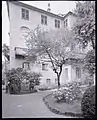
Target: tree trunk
(58, 78)
(58, 75)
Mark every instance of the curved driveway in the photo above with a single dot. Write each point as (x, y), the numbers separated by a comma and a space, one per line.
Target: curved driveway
(26, 106)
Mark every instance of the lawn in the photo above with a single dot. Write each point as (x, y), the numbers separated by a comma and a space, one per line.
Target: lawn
(73, 109)
(63, 107)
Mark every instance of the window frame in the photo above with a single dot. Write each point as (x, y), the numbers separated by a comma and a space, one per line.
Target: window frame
(24, 14)
(57, 23)
(43, 19)
(65, 23)
(27, 64)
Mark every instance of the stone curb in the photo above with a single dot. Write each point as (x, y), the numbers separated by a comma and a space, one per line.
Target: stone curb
(58, 112)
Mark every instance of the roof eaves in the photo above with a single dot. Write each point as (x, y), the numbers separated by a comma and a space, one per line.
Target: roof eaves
(36, 9)
(69, 13)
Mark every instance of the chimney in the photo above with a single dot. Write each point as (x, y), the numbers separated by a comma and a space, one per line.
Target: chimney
(48, 7)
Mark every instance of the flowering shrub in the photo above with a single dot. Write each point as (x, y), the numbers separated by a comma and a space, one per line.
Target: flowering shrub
(68, 94)
(59, 95)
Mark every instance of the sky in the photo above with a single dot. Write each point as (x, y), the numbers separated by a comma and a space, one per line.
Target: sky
(56, 7)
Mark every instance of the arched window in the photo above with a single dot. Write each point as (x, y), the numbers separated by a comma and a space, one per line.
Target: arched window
(24, 32)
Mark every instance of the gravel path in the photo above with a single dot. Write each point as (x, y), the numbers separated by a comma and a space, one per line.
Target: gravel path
(26, 106)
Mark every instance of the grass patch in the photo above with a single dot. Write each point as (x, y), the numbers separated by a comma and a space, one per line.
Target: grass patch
(72, 109)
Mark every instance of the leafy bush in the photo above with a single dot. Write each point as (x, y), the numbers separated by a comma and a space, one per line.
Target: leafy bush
(14, 78)
(34, 78)
(17, 77)
(88, 103)
(14, 75)
(24, 86)
(69, 93)
(13, 89)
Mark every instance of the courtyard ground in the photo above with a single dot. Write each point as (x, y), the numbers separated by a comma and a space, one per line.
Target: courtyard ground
(26, 106)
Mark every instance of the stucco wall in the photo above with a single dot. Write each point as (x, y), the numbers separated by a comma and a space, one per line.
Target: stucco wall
(16, 23)
(15, 39)
(71, 21)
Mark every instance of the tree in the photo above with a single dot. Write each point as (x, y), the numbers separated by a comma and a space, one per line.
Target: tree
(84, 28)
(89, 62)
(6, 51)
(84, 31)
(54, 44)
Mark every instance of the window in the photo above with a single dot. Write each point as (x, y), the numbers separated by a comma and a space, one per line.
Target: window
(78, 72)
(66, 73)
(25, 14)
(26, 65)
(24, 32)
(43, 19)
(57, 23)
(44, 66)
(48, 81)
(65, 23)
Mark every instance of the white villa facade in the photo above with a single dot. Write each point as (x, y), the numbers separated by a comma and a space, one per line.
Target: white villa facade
(24, 17)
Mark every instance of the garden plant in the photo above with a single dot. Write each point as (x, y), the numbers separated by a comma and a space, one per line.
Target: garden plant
(88, 103)
(69, 93)
(15, 77)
